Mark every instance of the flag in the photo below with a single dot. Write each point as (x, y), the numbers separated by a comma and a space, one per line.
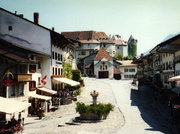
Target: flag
(44, 80)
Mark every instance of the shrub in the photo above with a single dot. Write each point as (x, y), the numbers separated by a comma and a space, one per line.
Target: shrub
(40, 113)
(76, 75)
(99, 109)
(81, 107)
(77, 92)
(118, 56)
(73, 87)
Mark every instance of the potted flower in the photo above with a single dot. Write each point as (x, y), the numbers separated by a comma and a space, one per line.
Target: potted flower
(94, 95)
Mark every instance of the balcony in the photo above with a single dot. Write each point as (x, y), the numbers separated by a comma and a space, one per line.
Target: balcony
(23, 77)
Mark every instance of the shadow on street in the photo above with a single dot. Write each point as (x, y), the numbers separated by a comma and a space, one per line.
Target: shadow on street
(155, 114)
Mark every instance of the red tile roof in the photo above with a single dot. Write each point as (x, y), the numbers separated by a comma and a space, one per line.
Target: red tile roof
(102, 53)
(85, 35)
(120, 42)
(116, 71)
(89, 41)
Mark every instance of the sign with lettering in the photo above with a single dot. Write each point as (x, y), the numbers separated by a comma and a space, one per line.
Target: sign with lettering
(8, 79)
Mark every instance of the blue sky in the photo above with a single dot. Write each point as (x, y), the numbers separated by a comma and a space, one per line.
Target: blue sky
(149, 21)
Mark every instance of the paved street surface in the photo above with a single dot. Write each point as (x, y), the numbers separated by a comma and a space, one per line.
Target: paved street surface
(135, 112)
(141, 112)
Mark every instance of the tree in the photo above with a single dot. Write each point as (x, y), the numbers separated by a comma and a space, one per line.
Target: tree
(67, 69)
(128, 58)
(118, 56)
(76, 75)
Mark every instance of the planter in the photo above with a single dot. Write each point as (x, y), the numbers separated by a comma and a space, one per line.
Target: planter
(90, 116)
(93, 112)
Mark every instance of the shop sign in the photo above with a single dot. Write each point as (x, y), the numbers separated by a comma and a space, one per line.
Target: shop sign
(8, 79)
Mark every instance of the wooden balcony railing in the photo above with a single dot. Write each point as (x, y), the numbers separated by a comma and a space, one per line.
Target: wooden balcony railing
(23, 77)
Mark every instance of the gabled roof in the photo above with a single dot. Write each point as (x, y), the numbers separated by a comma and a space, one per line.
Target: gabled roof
(85, 35)
(118, 40)
(102, 53)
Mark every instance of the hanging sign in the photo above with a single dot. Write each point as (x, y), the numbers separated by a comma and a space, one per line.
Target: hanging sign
(8, 79)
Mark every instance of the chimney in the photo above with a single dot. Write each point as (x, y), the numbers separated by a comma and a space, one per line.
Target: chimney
(15, 12)
(36, 18)
(21, 15)
(52, 28)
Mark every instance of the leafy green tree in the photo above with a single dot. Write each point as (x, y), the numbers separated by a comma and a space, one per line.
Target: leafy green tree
(67, 69)
(118, 56)
(128, 58)
(76, 75)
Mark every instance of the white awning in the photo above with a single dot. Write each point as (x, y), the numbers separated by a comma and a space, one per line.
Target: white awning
(67, 81)
(47, 90)
(10, 106)
(175, 78)
(34, 95)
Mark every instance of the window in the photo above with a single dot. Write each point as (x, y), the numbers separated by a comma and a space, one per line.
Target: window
(79, 52)
(32, 57)
(32, 85)
(53, 54)
(100, 67)
(10, 28)
(39, 65)
(125, 76)
(83, 52)
(125, 70)
(132, 70)
(12, 90)
(32, 68)
(53, 71)
(59, 71)
(39, 79)
(21, 89)
(59, 57)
